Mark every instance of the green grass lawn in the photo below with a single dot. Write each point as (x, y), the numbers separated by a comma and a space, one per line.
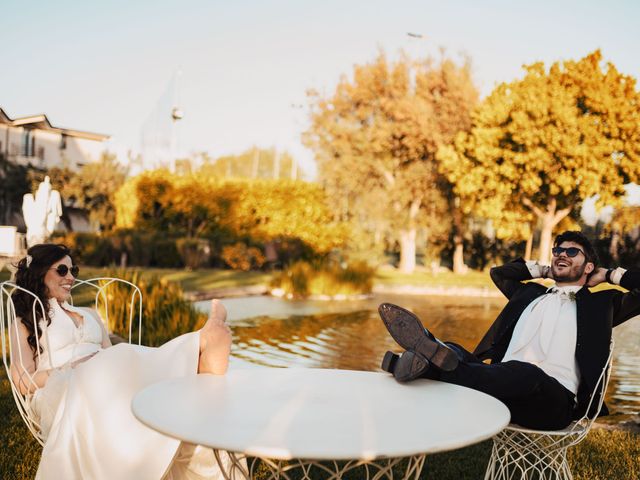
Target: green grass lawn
(196, 280)
(472, 278)
(604, 455)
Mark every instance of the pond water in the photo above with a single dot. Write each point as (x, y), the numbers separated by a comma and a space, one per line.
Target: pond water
(350, 335)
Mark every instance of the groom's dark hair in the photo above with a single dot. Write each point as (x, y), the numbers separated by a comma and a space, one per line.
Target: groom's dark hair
(579, 238)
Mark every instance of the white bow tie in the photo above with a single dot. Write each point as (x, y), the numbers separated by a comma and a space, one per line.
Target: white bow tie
(565, 293)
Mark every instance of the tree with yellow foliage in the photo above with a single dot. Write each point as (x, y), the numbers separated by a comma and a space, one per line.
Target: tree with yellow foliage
(541, 145)
(197, 205)
(623, 222)
(375, 140)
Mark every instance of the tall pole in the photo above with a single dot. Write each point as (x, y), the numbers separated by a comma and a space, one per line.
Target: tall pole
(176, 115)
(276, 163)
(256, 161)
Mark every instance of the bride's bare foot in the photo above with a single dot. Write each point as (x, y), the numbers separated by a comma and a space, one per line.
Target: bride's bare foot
(215, 342)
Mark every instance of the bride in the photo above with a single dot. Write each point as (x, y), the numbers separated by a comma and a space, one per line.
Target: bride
(80, 387)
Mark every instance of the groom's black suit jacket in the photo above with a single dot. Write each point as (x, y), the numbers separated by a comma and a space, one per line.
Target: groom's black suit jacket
(597, 313)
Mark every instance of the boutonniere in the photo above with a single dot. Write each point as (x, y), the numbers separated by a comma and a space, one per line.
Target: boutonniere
(572, 296)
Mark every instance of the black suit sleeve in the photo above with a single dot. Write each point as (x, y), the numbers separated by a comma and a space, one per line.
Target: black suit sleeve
(509, 277)
(627, 305)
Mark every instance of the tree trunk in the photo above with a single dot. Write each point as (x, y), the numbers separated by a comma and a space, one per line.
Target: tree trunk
(408, 237)
(458, 239)
(546, 234)
(408, 250)
(528, 247)
(458, 255)
(276, 164)
(256, 163)
(613, 247)
(549, 219)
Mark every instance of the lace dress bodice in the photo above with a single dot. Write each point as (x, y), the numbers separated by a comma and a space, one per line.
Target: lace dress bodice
(62, 341)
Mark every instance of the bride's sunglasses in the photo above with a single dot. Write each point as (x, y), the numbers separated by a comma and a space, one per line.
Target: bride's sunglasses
(570, 251)
(62, 270)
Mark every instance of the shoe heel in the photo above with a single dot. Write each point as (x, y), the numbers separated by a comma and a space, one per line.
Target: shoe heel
(445, 358)
(389, 362)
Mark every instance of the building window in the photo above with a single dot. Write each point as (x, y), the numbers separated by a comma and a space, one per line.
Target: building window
(41, 153)
(63, 142)
(28, 143)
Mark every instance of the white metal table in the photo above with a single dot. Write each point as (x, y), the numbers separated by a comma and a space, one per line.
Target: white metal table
(333, 420)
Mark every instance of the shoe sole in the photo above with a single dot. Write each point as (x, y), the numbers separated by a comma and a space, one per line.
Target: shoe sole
(410, 366)
(407, 330)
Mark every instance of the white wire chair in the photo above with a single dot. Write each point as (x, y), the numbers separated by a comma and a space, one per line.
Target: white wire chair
(8, 322)
(522, 453)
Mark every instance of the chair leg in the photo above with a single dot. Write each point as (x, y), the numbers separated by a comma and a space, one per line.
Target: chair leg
(516, 456)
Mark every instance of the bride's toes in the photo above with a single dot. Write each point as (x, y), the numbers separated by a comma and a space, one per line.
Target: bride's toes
(215, 348)
(218, 312)
(215, 341)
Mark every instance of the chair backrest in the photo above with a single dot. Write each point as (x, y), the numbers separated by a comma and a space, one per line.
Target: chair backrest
(579, 428)
(99, 295)
(599, 391)
(102, 300)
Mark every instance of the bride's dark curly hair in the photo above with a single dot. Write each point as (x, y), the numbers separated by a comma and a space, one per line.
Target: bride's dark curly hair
(30, 276)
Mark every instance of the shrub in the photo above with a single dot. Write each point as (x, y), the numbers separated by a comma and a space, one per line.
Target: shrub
(240, 257)
(87, 248)
(137, 249)
(165, 253)
(325, 278)
(224, 212)
(194, 252)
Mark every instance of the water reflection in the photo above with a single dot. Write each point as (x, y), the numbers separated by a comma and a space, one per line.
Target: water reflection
(350, 335)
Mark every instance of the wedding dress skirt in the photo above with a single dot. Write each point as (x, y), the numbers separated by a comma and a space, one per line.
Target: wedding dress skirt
(92, 434)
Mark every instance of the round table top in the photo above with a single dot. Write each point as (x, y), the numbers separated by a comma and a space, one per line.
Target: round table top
(319, 414)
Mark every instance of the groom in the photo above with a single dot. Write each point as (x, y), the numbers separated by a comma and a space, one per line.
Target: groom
(547, 347)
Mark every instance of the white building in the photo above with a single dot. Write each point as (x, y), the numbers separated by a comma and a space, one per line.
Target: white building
(35, 142)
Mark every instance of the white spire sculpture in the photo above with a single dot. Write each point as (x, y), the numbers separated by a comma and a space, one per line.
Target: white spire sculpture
(42, 213)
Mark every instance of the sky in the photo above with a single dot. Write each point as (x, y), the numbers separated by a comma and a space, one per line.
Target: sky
(105, 66)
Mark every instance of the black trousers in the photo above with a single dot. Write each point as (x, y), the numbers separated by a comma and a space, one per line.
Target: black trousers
(534, 399)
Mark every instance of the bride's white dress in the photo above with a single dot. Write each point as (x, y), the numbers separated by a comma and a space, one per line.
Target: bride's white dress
(85, 411)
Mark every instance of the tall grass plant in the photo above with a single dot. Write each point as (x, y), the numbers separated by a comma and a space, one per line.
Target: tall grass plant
(303, 279)
(165, 312)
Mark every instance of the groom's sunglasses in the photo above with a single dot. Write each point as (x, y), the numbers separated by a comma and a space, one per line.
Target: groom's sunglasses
(570, 251)
(62, 270)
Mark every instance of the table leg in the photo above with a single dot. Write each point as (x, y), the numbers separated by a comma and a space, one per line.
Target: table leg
(237, 467)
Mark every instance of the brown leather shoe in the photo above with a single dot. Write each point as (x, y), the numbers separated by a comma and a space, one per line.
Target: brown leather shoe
(405, 367)
(389, 361)
(407, 330)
